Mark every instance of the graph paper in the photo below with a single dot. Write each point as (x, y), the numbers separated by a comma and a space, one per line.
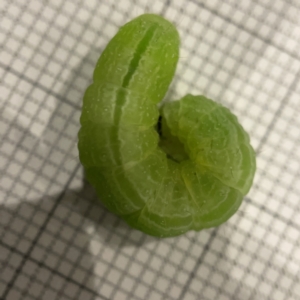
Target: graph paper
(56, 239)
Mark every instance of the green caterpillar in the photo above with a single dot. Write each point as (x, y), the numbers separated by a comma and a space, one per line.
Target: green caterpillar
(184, 167)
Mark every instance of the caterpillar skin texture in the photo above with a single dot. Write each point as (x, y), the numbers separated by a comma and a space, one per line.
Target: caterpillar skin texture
(194, 174)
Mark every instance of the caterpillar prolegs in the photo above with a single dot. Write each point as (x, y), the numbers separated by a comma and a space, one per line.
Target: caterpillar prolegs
(189, 174)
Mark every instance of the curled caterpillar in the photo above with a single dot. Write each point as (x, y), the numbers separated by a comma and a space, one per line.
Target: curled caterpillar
(184, 167)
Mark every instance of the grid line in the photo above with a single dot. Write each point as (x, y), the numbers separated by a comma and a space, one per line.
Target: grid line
(34, 242)
(240, 26)
(279, 110)
(41, 265)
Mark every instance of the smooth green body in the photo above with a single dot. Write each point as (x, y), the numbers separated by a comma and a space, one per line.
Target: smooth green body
(195, 174)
